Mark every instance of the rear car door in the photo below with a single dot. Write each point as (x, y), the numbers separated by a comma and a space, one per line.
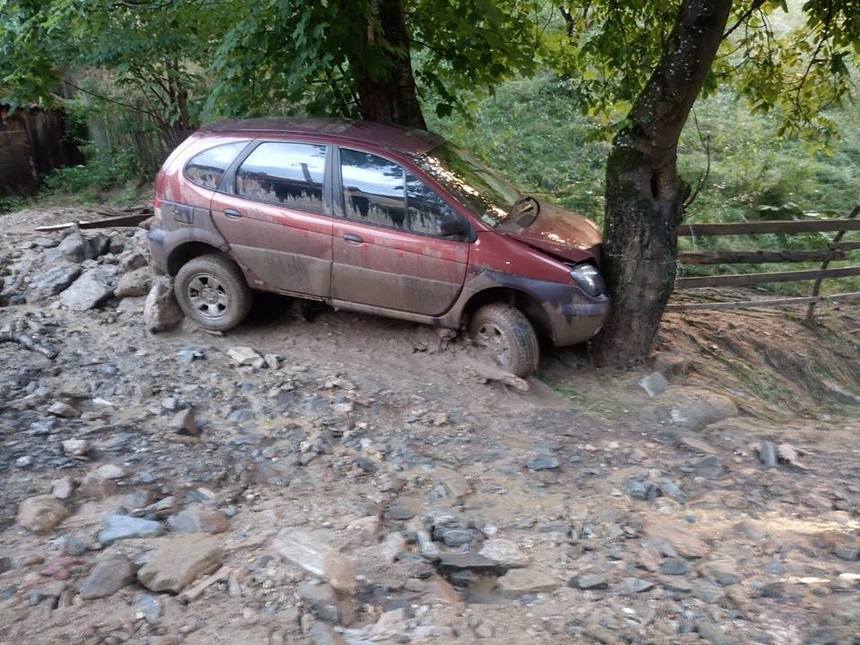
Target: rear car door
(274, 212)
(389, 248)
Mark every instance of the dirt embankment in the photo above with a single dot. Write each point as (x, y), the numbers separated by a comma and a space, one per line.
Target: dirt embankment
(344, 478)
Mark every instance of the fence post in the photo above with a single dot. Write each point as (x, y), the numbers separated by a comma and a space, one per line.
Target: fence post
(816, 289)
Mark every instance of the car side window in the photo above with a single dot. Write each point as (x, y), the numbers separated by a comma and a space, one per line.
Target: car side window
(207, 168)
(291, 174)
(373, 189)
(381, 192)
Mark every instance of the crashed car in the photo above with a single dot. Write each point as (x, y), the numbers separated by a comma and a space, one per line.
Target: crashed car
(375, 219)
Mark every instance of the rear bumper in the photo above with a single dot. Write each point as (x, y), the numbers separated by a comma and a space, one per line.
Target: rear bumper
(157, 237)
(576, 322)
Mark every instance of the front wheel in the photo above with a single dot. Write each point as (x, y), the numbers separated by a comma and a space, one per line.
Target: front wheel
(212, 292)
(508, 337)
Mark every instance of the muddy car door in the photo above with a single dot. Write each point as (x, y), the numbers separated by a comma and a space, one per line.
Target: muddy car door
(274, 212)
(399, 245)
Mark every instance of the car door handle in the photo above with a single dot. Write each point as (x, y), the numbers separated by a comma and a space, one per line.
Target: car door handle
(353, 239)
(232, 213)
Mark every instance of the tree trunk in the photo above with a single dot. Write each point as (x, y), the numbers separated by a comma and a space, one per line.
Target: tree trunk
(644, 195)
(388, 95)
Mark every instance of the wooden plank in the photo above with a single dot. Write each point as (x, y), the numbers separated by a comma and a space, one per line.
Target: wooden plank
(752, 304)
(109, 222)
(846, 246)
(761, 257)
(771, 226)
(743, 280)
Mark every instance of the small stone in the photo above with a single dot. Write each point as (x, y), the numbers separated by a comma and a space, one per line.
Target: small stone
(589, 581)
(62, 488)
(198, 519)
(161, 311)
(543, 462)
(64, 410)
(707, 591)
(24, 462)
(454, 537)
(321, 597)
(508, 554)
(390, 547)
(76, 447)
(723, 573)
(107, 577)
(671, 489)
(767, 453)
(124, 527)
(95, 487)
(148, 607)
(110, 471)
(245, 356)
(41, 513)
(654, 384)
(179, 561)
(674, 567)
(637, 585)
(73, 545)
(845, 552)
(185, 422)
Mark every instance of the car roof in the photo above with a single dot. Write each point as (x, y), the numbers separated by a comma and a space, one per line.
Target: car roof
(394, 137)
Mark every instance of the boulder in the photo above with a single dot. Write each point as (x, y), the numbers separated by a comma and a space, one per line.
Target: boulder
(41, 513)
(52, 280)
(134, 283)
(107, 577)
(123, 527)
(88, 291)
(198, 519)
(179, 561)
(161, 312)
(311, 553)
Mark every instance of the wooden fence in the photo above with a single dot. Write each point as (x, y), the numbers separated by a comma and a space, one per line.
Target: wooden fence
(837, 250)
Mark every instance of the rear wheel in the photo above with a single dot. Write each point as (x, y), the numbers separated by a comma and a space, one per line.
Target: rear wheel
(508, 338)
(212, 292)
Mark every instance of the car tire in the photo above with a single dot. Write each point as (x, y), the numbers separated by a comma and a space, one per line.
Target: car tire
(508, 336)
(212, 292)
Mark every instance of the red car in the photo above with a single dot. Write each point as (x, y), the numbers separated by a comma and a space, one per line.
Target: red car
(377, 219)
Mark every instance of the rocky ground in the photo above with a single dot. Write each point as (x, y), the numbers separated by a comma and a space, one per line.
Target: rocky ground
(329, 478)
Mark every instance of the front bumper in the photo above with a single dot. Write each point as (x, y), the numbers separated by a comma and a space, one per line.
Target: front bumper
(577, 321)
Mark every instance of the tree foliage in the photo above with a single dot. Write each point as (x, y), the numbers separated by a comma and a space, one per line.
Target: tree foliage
(791, 56)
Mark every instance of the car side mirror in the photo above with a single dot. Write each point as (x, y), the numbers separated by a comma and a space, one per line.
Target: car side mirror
(453, 227)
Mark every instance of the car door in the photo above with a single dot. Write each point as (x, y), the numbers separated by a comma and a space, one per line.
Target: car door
(275, 214)
(389, 248)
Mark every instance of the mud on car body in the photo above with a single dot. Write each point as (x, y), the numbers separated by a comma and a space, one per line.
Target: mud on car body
(377, 219)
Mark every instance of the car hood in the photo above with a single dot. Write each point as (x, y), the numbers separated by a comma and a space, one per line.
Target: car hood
(559, 232)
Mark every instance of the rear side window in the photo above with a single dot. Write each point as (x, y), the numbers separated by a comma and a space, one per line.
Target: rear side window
(378, 191)
(207, 168)
(291, 174)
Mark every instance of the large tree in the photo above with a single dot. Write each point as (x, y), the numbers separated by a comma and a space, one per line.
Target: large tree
(657, 56)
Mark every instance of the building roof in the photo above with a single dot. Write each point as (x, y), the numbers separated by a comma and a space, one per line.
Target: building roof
(399, 138)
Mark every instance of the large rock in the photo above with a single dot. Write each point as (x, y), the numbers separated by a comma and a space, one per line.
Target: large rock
(52, 280)
(41, 513)
(198, 519)
(107, 577)
(696, 408)
(134, 283)
(88, 291)
(313, 555)
(505, 552)
(77, 248)
(179, 561)
(161, 311)
(517, 582)
(124, 527)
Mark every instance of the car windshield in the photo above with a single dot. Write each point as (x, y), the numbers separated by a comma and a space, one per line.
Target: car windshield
(476, 186)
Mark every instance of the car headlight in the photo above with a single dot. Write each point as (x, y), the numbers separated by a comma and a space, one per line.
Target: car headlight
(589, 279)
